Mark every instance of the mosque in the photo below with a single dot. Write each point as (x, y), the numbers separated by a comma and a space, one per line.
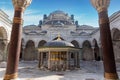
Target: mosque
(58, 38)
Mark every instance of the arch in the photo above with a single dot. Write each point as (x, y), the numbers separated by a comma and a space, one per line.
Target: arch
(94, 43)
(22, 41)
(115, 34)
(21, 51)
(30, 43)
(3, 42)
(2, 49)
(96, 51)
(3, 33)
(30, 52)
(87, 44)
(116, 43)
(41, 43)
(87, 52)
(75, 43)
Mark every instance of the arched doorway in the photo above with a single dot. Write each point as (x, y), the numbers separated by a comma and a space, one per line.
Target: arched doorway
(96, 50)
(116, 43)
(30, 52)
(3, 43)
(87, 53)
(75, 43)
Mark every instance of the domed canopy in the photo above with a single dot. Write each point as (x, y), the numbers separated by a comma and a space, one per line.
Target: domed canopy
(58, 43)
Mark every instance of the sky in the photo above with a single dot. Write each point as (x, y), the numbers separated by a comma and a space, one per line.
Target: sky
(82, 10)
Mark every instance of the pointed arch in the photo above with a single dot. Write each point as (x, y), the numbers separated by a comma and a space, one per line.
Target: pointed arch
(115, 34)
(75, 43)
(41, 43)
(21, 51)
(30, 52)
(96, 51)
(87, 44)
(3, 42)
(30, 43)
(87, 53)
(116, 43)
(3, 33)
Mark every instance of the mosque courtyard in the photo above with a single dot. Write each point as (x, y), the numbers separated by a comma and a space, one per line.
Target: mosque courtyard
(90, 70)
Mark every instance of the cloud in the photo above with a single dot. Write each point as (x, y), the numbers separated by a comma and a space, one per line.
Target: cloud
(85, 20)
(32, 19)
(5, 3)
(30, 16)
(32, 12)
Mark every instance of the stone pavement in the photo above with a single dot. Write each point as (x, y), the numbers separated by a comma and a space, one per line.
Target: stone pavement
(88, 71)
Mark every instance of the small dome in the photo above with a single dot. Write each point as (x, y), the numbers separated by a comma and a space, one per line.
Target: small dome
(57, 43)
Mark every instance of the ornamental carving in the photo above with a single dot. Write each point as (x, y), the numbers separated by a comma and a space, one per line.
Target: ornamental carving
(21, 3)
(100, 5)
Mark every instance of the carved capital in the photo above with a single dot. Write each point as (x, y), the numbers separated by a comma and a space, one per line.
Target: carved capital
(100, 5)
(21, 3)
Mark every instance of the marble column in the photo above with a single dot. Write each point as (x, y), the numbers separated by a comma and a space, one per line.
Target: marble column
(49, 60)
(41, 59)
(15, 42)
(106, 41)
(93, 49)
(23, 52)
(78, 60)
(67, 56)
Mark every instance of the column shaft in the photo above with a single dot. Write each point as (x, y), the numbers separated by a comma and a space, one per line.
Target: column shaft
(107, 46)
(67, 56)
(41, 59)
(15, 46)
(49, 62)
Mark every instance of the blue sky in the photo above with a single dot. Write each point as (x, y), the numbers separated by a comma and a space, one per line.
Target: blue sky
(82, 10)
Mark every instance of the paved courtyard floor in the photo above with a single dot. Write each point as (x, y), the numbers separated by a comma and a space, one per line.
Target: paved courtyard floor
(88, 71)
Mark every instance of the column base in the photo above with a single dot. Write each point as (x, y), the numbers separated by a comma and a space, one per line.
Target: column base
(11, 76)
(12, 79)
(111, 76)
(111, 79)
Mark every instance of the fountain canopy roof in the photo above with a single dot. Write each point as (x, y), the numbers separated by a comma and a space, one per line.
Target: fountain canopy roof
(58, 43)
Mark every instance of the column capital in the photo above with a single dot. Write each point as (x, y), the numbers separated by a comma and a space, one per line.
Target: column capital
(100, 5)
(21, 3)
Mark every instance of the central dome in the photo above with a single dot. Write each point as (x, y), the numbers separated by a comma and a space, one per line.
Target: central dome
(58, 12)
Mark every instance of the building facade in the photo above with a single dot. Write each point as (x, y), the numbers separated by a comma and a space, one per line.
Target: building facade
(5, 32)
(85, 37)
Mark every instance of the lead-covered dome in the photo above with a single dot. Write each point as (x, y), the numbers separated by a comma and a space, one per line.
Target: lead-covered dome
(58, 12)
(58, 18)
(58, 43)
